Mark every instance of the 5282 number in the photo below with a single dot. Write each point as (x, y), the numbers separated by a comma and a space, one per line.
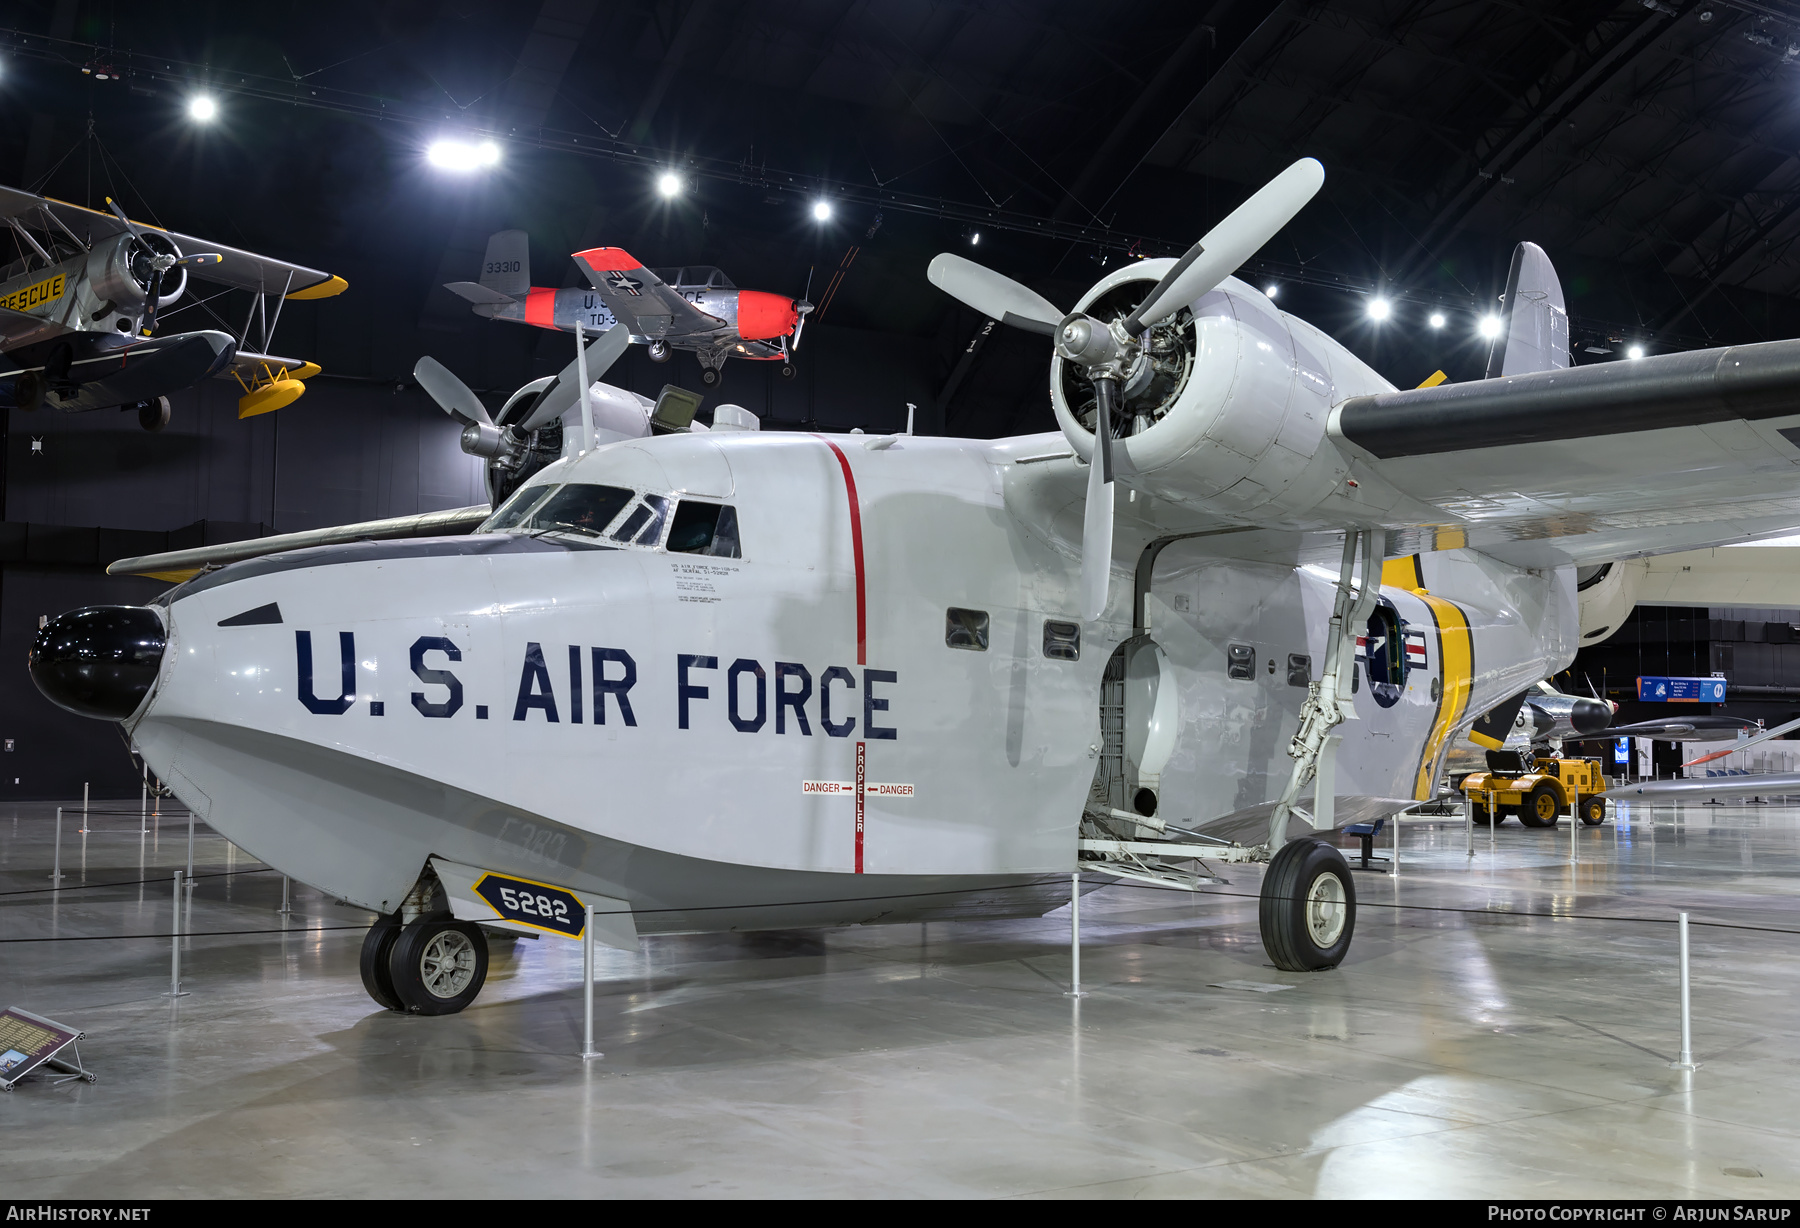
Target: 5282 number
(533, 905)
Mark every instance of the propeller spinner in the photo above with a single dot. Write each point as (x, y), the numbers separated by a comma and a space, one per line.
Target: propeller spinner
(1110, 354)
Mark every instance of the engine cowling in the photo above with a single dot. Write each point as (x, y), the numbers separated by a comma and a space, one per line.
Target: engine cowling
(1228, 414)
(119, 272)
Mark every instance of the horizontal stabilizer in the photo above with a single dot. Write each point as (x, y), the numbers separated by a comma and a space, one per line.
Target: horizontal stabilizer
(480, 295)
(170, 564)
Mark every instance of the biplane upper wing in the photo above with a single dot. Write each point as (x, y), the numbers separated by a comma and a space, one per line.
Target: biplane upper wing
(239, 269)
(1588, 464)
(639, 299)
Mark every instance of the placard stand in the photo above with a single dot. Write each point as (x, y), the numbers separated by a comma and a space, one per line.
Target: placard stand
(28, 1041)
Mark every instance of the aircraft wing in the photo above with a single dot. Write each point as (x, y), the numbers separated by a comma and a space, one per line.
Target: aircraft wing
(1771, 784)
(1589, 464)
(18, 328)
(239, 269)
(639, 299)
(1673, 730)
(177, 566)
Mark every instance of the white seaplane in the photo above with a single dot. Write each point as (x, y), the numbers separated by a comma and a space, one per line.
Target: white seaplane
(709, 680)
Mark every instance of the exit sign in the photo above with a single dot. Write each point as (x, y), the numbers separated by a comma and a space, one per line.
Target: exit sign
(1682, 690)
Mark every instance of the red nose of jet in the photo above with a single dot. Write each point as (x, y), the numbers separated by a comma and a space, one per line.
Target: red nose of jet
(763, 316)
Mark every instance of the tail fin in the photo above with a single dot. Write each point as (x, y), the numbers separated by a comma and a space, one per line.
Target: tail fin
(1536, 336)
(506, 268)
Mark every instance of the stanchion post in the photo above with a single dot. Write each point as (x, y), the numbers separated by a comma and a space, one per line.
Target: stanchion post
(190, 864)
(84, 807)
(588, 1052)
(1075, 936)
(144, 803)
(1686, 1060)
(175, 990)
(56, 857)
(1469, 826)
(1574, 827)
(285, 909)
(1493, 827)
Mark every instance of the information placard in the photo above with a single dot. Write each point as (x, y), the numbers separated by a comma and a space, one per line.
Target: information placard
(1682, 690)
(27, 1041)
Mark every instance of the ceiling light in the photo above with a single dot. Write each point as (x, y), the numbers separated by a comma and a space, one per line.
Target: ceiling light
(462, 156)
(1437, 319)
(202, 108)
(821, 211)
(974, 237)
(1490, 327)
(1271, 290)
(1379, 309)
(1636, 351)
(668, 184)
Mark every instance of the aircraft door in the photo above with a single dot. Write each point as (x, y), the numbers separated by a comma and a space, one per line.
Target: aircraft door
(1140, 714)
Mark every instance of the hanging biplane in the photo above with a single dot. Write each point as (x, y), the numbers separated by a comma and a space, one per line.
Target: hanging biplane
(81, 297)
(712, 680)
(693, 308)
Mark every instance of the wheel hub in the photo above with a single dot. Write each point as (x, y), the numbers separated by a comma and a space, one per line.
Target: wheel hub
(448, 964)
(1326, 910)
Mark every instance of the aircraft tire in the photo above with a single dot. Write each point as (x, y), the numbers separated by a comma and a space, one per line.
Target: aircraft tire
(709, 377)
(787, 370)
(1308, 909)
(378, 945)
(29, 389)
(1593, 811)
(153, 414)
(659, 351)
(1532, 812)
(438, 965)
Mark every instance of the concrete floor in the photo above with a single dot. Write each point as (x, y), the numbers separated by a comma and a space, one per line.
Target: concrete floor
(1456, 1054)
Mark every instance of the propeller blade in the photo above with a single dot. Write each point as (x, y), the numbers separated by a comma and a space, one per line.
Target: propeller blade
(153, 294)
(993, 294)
(1226, 246)
(199, 258)
(798, 329)
(455, 397)
(1097, 522)
(560, 397)
(120, 214)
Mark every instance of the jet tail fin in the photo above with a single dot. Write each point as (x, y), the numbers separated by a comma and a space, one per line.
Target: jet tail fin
(1536, 335)
(1491, 728)
(506, 266)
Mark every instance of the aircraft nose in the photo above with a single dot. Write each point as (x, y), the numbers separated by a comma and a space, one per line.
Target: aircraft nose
(100, 660)
(1590, 715)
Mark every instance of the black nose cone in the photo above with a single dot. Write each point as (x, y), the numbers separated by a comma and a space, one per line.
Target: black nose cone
(100, 660)
(1590, 716)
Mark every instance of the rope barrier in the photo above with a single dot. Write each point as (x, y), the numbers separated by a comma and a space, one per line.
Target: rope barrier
(133, 882)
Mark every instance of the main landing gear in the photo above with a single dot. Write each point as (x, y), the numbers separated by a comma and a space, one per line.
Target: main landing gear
(1307, 913)
(435, 965)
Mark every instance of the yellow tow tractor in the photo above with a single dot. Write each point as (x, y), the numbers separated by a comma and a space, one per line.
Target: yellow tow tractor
(1537, 788)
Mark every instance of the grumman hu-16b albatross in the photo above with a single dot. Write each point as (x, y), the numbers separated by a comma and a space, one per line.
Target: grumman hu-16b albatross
(79, 305)
(693, 308)
(708, 680)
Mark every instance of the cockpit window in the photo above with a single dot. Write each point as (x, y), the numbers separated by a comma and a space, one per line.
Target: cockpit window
(578, 507)
(516, 508)
(704, 528)
(644, 525)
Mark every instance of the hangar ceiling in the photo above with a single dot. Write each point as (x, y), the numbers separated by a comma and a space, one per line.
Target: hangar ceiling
(1647, 144)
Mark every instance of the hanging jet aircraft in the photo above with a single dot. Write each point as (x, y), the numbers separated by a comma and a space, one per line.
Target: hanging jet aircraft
(80, 301)
(736, 680)
(693, 308)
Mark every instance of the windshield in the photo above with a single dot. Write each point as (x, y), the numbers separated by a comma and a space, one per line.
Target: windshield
(577, 507)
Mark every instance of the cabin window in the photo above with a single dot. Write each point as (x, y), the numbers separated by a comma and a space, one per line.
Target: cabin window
(1062, 641)
(1240, 662)
(704, 528)
(1384, 651)
(1299, 669)
(966, 629)
(576, 507)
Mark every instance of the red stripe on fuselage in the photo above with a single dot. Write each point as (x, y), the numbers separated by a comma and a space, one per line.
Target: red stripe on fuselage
(540, 308)
(856, 545)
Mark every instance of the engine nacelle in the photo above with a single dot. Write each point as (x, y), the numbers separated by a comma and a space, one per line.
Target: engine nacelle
(1228, 414)
(119, 272)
